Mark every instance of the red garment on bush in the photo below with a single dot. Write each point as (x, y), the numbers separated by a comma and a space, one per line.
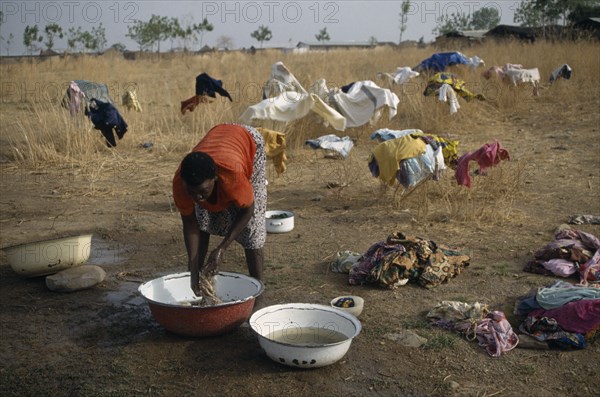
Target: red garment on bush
(488, 155)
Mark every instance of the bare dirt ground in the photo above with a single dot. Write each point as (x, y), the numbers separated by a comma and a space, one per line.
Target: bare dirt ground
(104, 342)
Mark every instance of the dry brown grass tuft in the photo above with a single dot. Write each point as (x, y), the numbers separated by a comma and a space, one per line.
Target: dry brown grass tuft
(490, 198)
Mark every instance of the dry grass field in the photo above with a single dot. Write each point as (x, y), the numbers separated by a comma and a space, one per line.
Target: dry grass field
(57, 177)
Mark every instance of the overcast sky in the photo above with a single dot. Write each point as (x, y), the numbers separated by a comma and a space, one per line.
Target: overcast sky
(289, 21)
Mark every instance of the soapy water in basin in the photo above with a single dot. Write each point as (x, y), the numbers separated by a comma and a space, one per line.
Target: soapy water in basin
(307, 336)
(174, 289)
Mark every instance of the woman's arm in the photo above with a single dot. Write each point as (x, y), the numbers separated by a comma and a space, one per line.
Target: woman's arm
(196, 244)
(239, 223)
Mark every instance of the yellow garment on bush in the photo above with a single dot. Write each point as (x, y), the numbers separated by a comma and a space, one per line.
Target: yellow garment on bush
(131, 102)
(275, 148)
(389, 154)
(438, 79)
(450, 150)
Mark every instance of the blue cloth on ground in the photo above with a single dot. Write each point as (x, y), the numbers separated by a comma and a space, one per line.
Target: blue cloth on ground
(415, 169)
(332, 142)
(386, 134)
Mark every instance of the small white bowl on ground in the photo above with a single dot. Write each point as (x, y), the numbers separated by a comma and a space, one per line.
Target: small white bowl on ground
(304, 335)
(279, 221)
(46, 257)
(352, 304)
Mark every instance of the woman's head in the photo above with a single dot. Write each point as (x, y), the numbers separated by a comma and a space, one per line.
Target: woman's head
(199, 174)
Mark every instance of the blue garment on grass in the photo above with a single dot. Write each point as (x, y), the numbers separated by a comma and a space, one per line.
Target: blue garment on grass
(414, 170)
(347, 87)
(206, 85)
(385, 134)
(332, 142)
(106, 118)
(440, 61)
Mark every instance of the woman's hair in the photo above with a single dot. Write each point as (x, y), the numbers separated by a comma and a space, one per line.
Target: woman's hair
(196, 167)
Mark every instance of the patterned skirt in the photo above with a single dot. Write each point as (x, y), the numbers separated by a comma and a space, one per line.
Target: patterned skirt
(219, 223)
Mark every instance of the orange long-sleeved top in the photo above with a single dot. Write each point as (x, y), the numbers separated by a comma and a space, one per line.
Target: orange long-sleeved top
(232, 148)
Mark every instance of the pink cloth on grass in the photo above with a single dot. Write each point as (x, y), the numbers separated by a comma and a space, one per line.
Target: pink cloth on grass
(488, 155)
(494, 333)
(560, 267)
(75, 97)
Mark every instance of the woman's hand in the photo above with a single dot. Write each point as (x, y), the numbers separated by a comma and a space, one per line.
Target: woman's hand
(214, 259)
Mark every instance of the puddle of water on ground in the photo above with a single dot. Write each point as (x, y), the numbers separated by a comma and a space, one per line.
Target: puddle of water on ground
(103, 253)
(126, 296)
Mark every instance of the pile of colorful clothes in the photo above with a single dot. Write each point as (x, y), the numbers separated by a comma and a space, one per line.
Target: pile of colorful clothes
(563, 315)
(401, 259)
(573, 252)
(476, 321)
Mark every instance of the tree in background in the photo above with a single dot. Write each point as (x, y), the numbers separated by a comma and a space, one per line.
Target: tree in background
(205, 26)
(99, 34)
(185, 32)
(528, 15)
(175, 30)
(88, 41)
(52, 30)
(483, 19)
(73, 38)
(225, 42)
(9, 41)
(373, 41)
(262, 34)
(451, 23)
(538, 13)
(118, 47)
(322, 36)
(147, 34)
(10, 38)
(158, 29)
(584, 9)
(405, 8)
(31, 36)
(82, 40)
(138, 32)
(188, 37)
